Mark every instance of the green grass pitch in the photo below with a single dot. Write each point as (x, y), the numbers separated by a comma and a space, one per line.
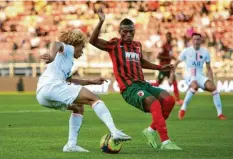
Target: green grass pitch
(30, 131)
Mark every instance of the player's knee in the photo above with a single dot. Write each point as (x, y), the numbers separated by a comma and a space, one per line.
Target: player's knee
(94, 103)
(194, 86)
(167, 104)
(79, 109)
(93, 99)
(170, 101)
(209, 86)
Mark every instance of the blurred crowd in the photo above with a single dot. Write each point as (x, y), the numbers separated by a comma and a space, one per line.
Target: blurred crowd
(28, 27)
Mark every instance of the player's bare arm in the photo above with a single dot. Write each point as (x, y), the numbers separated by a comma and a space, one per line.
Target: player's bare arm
(177, 63)
(209, 71)
(54, 49)
(84, 82)
(94, 39)
(148, 65)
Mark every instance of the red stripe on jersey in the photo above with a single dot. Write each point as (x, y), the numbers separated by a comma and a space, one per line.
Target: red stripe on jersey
(126, 61)
(122, 63)
(139, 66)
(116, 68)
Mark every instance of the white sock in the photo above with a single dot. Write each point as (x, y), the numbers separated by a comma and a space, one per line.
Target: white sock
(150, 129)
(165, 142)
(217, 102)
(103, 113)
(187, 98)
(75, 123)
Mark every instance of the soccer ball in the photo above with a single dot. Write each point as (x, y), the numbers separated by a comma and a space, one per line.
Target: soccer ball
(108, 145)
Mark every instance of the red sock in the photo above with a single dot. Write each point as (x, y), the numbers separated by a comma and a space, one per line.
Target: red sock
(176, 91)
(158, 121)
(167, 106)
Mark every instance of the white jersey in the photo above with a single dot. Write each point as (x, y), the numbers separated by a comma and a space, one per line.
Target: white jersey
(194, 60)
(59, 69)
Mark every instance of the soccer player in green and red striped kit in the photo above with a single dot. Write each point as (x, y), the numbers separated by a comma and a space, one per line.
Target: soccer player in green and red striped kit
(128, 61)
(165, 57)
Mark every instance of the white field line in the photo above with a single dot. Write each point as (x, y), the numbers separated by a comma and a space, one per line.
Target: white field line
(27, 111)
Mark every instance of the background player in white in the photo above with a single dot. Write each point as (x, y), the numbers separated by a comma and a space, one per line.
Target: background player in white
(53, 90)
(195, 57)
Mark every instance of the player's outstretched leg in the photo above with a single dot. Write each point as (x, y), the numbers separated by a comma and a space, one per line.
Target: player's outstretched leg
(103, 113)
(100, 109)
(75, 123)
(158, 124)
(187, 99)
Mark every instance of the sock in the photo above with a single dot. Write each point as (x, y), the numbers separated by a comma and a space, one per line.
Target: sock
(165, 142)
(187, 98)
(103, 113)
(168, 104)
(217, 102)
(158, 122)
(150, 129)
(176, 91)
(75, 123)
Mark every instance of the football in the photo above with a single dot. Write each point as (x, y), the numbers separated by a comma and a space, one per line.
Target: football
(108, 145)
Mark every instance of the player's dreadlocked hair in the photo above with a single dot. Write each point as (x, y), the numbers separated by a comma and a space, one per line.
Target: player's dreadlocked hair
(126, 21)
(72, 37)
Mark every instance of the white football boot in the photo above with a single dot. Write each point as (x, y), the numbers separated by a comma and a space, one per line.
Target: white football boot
(119, 135)
(73, 148)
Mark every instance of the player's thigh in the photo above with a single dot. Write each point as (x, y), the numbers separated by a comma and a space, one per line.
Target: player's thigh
(157, 92)
(135, 96)
(192, 82)
(44, 99)
(86, 97)
(209, 86)
(64, 93)
(41, 97)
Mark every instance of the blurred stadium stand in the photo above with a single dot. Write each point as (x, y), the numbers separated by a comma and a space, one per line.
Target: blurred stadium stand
(27, 28)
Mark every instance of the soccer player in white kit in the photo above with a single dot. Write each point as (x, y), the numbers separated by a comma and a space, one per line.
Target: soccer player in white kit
(195, 57)
(55, 88)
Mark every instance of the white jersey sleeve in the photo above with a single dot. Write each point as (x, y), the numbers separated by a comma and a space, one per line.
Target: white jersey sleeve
(182, 55)
(68, 50)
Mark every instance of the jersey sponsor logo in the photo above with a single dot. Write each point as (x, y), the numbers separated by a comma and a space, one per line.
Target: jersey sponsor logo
(140, 93)
(132, 56)
(196, 63)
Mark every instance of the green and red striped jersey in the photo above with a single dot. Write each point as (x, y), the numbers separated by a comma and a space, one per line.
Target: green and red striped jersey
(126, 59)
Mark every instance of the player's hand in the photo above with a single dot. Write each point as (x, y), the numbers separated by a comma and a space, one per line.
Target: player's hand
(168, 67)
(99, 81)
(46, 58)
(101, 14)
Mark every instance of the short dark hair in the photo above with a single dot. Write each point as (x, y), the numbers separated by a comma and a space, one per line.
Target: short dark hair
(196, 34)
(126, 21)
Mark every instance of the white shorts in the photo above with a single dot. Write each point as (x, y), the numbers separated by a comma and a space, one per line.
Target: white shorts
(201, 80)
(58, 95)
